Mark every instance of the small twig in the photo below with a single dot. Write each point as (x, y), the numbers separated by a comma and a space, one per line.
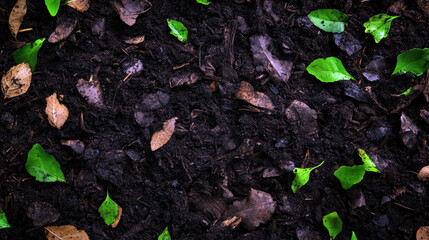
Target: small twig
(368, 90)
(119, 86)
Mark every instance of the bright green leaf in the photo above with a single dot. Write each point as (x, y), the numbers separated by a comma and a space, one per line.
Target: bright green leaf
(330, 69)
(28, 53)
(367, 162)
(178, 30)
(350, 176)
(108, 210)
(329, 20)
(3, 220)
(165, 235)
(53, 6)
(379, 26)
(415, 61)
(205, 2)
(405, 93)
(43, 166)
(302, 175)
(353, 236)
(333, 223)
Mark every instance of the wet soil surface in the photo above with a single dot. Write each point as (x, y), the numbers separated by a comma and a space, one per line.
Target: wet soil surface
(222, 146)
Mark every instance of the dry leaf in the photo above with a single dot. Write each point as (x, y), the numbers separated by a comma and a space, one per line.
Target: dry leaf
(118, 217)
(57, 112)
(129, 10)
(232, 222)
(16, 16)
(423, 233)
(258, 99)
(184, 79)
(91, 91)
(161, 137)
(257, 208)
(77, 146)
(16, 81)
(423, 174)
(66, 232)
(79, 5)
(65, 26)
(134, 40)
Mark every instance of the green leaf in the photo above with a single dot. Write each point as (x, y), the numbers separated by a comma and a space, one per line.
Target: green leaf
(350, 176)
(3, 220)
(353, 236)
(302, 175)
(178, 30)
(333, 223)
(43, 166)
(368, 164)
(53, 6)
(165, 235)
(205, 2)
(406, 92)
(415, 61)
(108, 210)
(28, 53)
(379, 26)
(330, 69)
(329, 20)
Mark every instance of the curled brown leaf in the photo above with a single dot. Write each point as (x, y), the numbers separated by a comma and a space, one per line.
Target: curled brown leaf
(16, 16)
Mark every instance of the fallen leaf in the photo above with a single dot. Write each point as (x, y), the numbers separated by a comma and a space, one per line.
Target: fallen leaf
(77, 145)
(65, 232)
(129, 10)
(16, 81)
(184, 79)
(91, 91)
(302, 118)
(257, 208)
(279, 70)
(232, 222)
(423, 174)
(423, 233)
(163, 136)
(258, 99)
(65, 26)
(16, 16)
(79, 5)
(57, 112)
(134, 40)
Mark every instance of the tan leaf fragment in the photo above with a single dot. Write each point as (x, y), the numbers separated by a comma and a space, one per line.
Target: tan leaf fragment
(79, 5)
(16, 16)
(16, 81)
(91, 91)
(77, 145)
(257, 208)
(129, 10)
(258, 99)
(65, 26)
(232, 222)
(423, 174)
(57, 112)
(118, 217)
(134, 40)
(184, 79)
(163, 136)
(423, 233)
(65, 232)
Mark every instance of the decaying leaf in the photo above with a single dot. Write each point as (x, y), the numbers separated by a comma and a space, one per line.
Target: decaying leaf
(65, 232)
(118, 218)
(257, 208)
(184, 79)
(279, 70)
(91, 91)
(79, 5)
(232, 222)
(77, 145)
(423, 233)
(258, 99)
(57, 112)
(65, 26)
(134, 40)
(16, 81)
(16, 16)
(163, 136)
(423, 174)
(129, 10)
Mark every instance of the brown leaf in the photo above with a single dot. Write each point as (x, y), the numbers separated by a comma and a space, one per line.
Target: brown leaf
(16, 16)
(118, 217)
(129, 10)
(65, 26)
(423, 174)
(77, 145)
(65, 232)
(79, 5)
(16, 81)
(163, 136)
(258, 99)
(91, 91)
(257, 208)
(184, 79)
(134, 40)
(423, 233)
(57, 112)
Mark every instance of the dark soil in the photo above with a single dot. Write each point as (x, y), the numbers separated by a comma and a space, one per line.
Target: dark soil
(178, 185)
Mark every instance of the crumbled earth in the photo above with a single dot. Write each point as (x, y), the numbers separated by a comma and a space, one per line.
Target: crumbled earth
(221, 146)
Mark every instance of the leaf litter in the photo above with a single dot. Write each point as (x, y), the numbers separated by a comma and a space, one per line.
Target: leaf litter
(16, 16)
(91, 91)
(57, 113)
(65, 26)
(129, 10)
(161, 137)
(16, 81)
(79, 5)
(258, 99)
(65, 232)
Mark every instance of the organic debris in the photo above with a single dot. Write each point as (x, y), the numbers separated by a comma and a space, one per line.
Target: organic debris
(65, 232)
(16, 81)
(163, 136)
(258, 99)
(16, 16)
(57, 112)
